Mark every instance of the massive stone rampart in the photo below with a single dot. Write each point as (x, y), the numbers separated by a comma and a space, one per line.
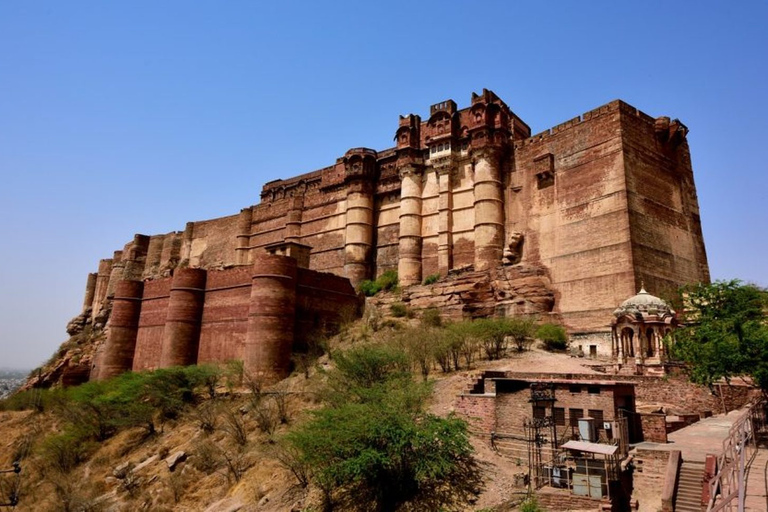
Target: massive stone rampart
(256, 313)
(599, 204)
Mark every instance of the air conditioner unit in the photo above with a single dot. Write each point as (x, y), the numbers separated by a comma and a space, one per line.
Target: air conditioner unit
(588, 430)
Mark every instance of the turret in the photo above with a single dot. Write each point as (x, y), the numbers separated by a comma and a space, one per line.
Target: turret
(359, 175)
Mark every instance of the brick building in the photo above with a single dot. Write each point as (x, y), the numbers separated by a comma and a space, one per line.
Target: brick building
(561, 432)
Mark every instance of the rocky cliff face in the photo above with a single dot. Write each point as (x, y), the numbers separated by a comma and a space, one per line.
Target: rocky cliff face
(466, 293)
(71, 364)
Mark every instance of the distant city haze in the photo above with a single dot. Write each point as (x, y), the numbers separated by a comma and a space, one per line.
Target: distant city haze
(118, 119)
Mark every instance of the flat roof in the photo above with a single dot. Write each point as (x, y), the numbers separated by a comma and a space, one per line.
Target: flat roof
(594, 382)
(583, 446)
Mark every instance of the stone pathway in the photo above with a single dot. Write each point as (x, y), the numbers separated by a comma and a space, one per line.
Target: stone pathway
(757, 481)
(698, 439)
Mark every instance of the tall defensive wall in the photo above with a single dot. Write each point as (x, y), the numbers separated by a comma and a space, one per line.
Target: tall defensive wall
(601, 202)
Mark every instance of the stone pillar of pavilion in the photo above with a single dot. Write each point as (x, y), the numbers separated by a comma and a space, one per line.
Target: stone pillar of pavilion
(640, 323)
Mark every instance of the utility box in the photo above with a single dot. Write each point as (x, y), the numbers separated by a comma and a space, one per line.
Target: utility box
(588, 430)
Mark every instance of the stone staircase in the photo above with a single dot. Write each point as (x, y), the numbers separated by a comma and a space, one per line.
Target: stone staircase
(689, 485)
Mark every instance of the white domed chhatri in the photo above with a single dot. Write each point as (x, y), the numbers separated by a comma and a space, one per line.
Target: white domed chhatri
(639, 327)
(645, 304)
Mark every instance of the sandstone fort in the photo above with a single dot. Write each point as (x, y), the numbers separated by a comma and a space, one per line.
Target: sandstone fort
(567, 222)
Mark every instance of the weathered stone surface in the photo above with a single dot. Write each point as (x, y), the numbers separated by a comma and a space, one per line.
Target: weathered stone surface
(515, 290)
(175, 459)
(145, 463)
(567, 221)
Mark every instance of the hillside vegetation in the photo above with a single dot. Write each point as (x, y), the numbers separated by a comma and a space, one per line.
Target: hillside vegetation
(354, 428)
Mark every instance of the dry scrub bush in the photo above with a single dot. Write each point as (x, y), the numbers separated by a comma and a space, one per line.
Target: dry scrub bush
(207, 416)
(207, 457)
(234, 425)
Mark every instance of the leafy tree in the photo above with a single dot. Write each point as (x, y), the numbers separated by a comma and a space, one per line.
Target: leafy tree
(553, 336)
(726, 333)
(375, 448)
(496, 333)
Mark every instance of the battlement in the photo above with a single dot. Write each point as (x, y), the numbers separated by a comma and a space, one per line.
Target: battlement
(608, 108)
(448, 106)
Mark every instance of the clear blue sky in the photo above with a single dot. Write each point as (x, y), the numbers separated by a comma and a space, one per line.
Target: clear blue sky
(134, 117)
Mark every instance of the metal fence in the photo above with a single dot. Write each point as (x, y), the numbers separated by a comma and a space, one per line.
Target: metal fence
(727, 486)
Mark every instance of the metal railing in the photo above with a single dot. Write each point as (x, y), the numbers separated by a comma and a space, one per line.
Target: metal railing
(727, 488)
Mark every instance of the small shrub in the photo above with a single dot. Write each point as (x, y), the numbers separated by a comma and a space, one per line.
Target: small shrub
(238, 463)
(530, 505)
(281, 404)
(431, 279)
(369, 288)
(207, 415)
(430, 317)
(266, 416)
(553, 336)
(234, 372)
(63, 452)
(234, 425)
(207, 457)
(388, 280)
(399, 310)
(290, 458)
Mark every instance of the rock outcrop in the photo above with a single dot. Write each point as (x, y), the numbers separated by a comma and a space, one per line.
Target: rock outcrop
(466, 293)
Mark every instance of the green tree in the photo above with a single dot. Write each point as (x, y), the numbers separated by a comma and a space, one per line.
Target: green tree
(725, 333)
(496, 333)
(375, 448)
(553, 336)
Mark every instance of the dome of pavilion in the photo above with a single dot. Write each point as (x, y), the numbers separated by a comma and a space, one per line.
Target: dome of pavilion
(644, 304)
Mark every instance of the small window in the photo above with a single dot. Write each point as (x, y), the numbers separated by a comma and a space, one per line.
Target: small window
(575, 415)
(434, 149)
(573, 388)
(593, 390)
(597, 414)
(539, 412)
(559, 414)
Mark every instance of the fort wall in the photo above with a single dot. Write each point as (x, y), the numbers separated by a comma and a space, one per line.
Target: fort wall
(598, 203)
(257, 313)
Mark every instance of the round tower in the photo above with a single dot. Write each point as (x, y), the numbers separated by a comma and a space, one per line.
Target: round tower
(360, 171)
(489, 134)
(181, 335)
(120, 346)
(243, 249)
(90, 291)
(489, 207)
(410, 166)
(271, 317)
(409, 261)
(294, 215)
